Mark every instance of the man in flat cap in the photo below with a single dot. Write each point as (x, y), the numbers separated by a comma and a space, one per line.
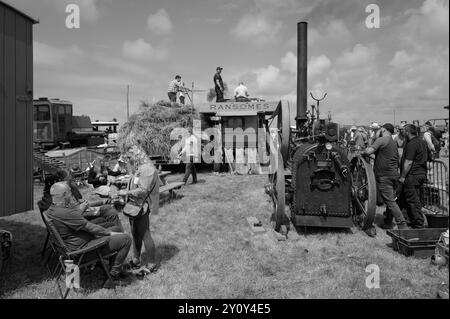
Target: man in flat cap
(387, 174)
(77, 232)
(218, 84)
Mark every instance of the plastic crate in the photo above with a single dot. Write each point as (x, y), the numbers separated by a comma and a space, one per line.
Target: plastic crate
(418, 243)
(437, 220)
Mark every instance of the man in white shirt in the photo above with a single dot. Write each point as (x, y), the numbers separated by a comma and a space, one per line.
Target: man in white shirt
(241, 93)
(191, 155)
(174, 88)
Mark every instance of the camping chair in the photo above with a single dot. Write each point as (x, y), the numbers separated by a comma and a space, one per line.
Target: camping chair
(46, 246)
(92, 250)
(42, 209)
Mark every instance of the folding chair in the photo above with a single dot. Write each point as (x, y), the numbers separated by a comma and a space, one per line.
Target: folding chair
(42, 209)
(47, 247)
(78, 256)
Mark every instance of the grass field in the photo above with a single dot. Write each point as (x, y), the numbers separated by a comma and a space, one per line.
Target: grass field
(208, 251)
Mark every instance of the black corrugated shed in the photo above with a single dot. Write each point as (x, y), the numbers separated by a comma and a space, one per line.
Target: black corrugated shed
(16, 110)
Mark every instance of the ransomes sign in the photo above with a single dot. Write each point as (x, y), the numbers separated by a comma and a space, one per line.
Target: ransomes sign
(238, 107)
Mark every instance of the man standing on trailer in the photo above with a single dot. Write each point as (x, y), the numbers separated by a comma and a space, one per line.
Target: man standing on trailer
(218, 85)
(175, 86)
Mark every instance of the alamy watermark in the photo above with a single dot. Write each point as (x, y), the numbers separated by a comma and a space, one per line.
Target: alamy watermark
(72, 275)
(373, 20)
(373, 279)
(249, 146)
(73, 19)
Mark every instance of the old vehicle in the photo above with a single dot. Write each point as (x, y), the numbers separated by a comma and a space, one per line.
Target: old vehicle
(313, 173)
(64, 141)
(54, 124)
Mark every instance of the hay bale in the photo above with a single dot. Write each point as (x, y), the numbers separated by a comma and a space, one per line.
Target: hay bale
(152, 125)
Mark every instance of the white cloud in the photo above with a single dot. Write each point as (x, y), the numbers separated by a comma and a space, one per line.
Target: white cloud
(47, 55)
(160, 22)
(120, 65)
(429, 24)
(289, 62)
(142, 50)
(437, 14)
(359, 56)
(317, 65)
(331, 33)
(267, 78)
(402, 59)
(257, 28)
(89, 9)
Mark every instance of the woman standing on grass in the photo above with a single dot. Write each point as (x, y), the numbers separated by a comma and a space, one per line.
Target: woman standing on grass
(143, 192)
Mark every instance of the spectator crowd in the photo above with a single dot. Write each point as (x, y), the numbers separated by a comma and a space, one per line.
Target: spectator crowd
(400, 156)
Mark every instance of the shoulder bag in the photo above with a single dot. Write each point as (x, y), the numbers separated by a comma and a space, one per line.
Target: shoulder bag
(131, 210)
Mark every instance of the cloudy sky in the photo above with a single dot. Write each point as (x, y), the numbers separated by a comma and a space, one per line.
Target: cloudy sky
(367, 73)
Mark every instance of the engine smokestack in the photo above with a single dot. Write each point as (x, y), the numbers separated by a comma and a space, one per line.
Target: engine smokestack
(302, 72)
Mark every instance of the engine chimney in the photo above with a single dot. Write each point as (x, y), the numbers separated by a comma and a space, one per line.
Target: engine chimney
(302, 72)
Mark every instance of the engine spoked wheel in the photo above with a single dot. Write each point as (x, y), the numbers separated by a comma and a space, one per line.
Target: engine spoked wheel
(364, 193)
(277, 191)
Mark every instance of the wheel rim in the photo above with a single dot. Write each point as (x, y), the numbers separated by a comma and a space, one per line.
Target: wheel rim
(363, 193)
(281, 192)
(284, 125)
(278, 192)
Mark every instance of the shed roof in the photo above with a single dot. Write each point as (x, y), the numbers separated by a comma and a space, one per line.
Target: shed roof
(19, 11)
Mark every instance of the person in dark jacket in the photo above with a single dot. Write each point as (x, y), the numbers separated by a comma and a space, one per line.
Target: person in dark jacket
(218, 85)
(413, 174)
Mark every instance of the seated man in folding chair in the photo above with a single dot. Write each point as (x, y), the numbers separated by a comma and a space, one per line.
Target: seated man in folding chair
(77, 232)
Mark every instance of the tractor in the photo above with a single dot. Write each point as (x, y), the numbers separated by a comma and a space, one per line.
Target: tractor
(324, 183)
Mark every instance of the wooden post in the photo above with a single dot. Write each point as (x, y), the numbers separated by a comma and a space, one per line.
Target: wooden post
(128, 102)
(192, 100)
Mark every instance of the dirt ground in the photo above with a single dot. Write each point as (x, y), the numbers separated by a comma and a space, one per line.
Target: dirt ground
(209, 251)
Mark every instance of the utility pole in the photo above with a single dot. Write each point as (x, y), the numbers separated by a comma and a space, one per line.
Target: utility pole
(394, 117)
(193, 91)
(128, 102)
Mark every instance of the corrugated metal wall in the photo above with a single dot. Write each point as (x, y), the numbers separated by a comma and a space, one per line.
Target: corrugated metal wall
(16, 113)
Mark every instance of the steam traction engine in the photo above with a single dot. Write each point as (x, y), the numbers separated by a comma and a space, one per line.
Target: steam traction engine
(312, 172)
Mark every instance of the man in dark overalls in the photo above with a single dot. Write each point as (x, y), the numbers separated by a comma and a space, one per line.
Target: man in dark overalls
(413, 175)
(218, 85)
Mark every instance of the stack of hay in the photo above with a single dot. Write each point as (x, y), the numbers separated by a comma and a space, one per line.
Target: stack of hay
(152, 126)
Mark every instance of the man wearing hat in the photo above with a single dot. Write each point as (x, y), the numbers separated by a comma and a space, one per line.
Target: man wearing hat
(387, 174)
(218, 84)
(77, 232)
